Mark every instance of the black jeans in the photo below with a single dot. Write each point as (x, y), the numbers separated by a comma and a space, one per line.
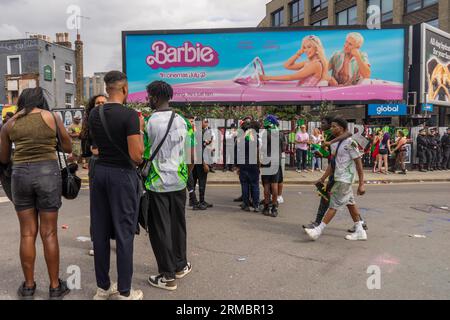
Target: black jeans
(167, 231)
(249, 178)
(191, 188)
(301, 156)
(199, 175)
(114, 211)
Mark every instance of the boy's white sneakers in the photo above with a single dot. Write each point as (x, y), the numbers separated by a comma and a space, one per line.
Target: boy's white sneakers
(358, 235)
(314, 234)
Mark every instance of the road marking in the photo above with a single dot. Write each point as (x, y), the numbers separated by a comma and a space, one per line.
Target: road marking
(4, 200)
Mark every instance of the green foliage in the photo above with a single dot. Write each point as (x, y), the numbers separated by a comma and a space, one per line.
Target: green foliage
(230, 112)
(283, 112)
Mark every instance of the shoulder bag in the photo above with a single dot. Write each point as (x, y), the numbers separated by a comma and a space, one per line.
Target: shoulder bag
(71, 183)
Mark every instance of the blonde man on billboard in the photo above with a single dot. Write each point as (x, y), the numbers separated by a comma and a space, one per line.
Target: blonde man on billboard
(350, 65)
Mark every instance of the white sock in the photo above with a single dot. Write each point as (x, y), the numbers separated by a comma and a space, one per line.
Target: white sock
(359, 225)
(321, 226)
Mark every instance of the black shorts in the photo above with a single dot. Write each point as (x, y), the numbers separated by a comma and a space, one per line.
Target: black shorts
(275, 178)
(36, 185)
(383, 152)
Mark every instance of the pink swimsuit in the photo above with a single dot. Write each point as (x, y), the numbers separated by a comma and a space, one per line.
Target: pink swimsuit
(310, 81)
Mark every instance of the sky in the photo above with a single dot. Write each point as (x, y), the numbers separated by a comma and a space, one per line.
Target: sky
(101, 30)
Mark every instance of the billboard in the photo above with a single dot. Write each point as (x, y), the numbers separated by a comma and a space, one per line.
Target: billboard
(270, 65)
(67, 115)
(7, 108)
(435, 66)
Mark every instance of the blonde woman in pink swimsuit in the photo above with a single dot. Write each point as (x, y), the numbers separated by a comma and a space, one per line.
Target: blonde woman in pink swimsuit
(310, 72)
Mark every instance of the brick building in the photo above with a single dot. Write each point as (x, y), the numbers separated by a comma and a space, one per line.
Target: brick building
(37, 61)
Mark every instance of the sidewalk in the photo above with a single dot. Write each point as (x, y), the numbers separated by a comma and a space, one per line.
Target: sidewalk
(293, 178)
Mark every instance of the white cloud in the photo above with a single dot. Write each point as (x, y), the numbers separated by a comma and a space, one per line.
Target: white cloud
(101, 34)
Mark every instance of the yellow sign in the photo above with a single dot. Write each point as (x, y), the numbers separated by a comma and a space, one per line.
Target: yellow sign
(8, 108)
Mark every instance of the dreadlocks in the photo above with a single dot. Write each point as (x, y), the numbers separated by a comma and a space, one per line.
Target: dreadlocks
(160, 90)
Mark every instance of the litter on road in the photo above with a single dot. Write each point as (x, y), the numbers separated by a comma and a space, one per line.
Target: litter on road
(83, 239)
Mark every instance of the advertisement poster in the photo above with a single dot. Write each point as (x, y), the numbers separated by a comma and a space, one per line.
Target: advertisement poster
(275, 65)
(435, 66)
(7, 108)
(67, 115)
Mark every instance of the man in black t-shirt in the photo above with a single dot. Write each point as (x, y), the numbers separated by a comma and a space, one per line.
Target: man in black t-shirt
(115, 189)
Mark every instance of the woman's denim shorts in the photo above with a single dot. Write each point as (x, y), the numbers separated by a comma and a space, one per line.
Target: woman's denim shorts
(37, 185)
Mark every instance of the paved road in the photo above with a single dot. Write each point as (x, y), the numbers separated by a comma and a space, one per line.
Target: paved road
(239, 255)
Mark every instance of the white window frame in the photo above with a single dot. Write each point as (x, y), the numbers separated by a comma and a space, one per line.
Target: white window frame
(68, 106)
(71, 73)
(8, 67)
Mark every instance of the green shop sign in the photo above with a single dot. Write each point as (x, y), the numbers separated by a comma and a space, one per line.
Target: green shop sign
(48, 73)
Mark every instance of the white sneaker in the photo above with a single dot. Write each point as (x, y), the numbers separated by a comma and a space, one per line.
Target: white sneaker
(91, 252)
(134, 295)
(160, 281)
(358, 235)
(280, 199)
(314, 234)
(298, 171)
(106, 294)
(181, 274)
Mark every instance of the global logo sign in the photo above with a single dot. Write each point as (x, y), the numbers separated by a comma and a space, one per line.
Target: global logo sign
(387, 109)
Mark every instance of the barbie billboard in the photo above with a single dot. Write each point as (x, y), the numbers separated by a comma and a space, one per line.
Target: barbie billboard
(275, 65)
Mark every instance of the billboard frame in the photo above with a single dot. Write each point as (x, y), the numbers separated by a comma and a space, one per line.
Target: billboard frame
(279, 29)
(423, 28)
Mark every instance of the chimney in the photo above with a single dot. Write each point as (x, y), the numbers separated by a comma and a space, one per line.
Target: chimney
(79, 71)
(62, 38)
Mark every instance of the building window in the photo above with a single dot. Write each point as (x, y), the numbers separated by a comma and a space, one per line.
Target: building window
(321, 23)
(317, 5)
(277, 18)
(386, 8)
(297, 10)
(414, 5)
(69, 100)
(91, 89)
(14, 65)
(68, 70)
(434, 23)
(347, 17)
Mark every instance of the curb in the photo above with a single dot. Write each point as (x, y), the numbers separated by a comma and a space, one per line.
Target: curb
(85, 180)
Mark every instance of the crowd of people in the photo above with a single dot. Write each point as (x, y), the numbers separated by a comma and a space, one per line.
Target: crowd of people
(433, 151)
(115, 140)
